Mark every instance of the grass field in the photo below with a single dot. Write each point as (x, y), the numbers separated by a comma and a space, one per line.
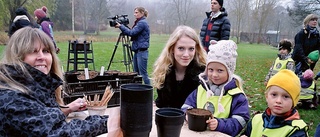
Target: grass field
(252, 65)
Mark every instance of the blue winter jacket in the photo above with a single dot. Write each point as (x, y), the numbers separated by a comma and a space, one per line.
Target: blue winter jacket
(239, 107)
(140, 34)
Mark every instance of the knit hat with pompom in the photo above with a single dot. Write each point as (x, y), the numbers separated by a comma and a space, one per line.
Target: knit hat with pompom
(41, 13)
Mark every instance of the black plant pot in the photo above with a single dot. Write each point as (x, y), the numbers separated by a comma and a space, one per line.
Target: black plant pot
(136, 109)
(169, 122)
(197, 119)
(71, 76)
(103, 78)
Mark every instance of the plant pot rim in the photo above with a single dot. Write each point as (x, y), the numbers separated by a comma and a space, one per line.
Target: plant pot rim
(168, 109)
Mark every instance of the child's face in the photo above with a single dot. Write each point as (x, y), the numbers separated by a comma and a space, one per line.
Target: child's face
(283, 51)
(279, 100)
(217, 73)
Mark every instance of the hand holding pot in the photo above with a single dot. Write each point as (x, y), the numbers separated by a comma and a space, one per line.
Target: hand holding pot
(212, 123)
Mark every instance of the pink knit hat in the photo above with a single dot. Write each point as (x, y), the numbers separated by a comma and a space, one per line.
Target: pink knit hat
(41, 13)
(308, 74)
(224, 52)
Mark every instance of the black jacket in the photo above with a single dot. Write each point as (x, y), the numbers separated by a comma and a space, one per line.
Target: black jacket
(305, 42)
(19, 22)
(174, 92)
(38, 113)
(220, 29)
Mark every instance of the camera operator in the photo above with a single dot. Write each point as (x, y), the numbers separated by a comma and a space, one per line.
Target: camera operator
(140, 35)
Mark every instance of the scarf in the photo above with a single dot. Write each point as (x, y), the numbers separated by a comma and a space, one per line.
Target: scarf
(312, 31)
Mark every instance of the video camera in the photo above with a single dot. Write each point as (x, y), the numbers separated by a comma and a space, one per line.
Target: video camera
(122, 19)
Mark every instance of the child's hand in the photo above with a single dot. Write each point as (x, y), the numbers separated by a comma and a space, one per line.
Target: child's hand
(212, 123)
(243, 136)
(310, 61)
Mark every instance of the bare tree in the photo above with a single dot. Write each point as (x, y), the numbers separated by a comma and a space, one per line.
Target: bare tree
(239, 8)
(9, 7)
(301, 8)
(262, 9)
(172, 13)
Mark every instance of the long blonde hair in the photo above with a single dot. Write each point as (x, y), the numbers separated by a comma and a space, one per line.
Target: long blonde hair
(166, 59)
(20, 44)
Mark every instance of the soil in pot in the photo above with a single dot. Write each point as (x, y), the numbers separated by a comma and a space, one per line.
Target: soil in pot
(197, 119)
(113, 73)
(127, 75)
(92, 74)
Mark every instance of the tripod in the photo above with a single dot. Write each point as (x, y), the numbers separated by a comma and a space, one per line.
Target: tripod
(127, 53)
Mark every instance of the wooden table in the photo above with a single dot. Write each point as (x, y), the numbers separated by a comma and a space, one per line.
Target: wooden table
(185, 131)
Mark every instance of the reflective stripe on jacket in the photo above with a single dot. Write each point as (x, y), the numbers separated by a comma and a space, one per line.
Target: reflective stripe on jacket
(280, 64)
(259, 131)
(226, 101)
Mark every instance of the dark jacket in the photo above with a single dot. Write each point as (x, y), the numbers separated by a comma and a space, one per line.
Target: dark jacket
(220, 28)
(174, 93)
(47, 26)
(37, 113)
(140, 34)
(272, 122)
(305, 42)
(19, 22)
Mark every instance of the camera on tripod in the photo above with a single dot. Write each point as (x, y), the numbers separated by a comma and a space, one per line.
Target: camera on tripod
(122, 19)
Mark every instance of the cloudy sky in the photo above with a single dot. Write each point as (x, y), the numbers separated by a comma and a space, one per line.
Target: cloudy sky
(286, 3)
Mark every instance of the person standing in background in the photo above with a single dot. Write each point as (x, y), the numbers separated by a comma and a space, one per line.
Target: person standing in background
(21, 20)
(140, 36)
(216, 26)
(306, 40)
(175, 73)
(45, 24)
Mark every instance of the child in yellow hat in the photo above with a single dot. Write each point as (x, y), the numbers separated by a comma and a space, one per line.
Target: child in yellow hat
(280, 119)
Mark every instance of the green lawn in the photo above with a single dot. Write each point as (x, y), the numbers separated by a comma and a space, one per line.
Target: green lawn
(252, 65)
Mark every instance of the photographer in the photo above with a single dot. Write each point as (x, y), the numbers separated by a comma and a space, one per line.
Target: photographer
(140, 35)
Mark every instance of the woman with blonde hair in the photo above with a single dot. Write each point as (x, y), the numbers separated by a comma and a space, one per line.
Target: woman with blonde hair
(30, 91)
(176, 70)
(306, 41)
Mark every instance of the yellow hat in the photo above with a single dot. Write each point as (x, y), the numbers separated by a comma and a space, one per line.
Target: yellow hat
(289, 81)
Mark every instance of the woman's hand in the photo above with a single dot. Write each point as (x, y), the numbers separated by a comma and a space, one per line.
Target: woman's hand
(212, 123)
(77, 105)
(117, 25)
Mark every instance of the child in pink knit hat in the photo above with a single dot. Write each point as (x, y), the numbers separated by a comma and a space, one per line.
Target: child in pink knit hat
(221, 91)
(308, 97)
(45, 24)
